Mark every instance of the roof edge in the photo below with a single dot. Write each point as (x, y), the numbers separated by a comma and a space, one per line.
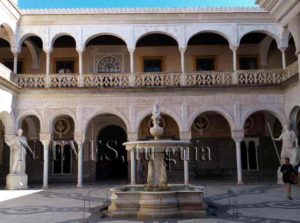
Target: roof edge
(139, 10)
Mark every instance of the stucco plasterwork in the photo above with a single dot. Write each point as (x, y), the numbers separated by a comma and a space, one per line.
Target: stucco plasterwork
(228, 31)
(273, 30)
(92, 112)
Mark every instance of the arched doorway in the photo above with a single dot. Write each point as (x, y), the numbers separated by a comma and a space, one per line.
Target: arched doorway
(259, 156)
(63, 151)
(112, 155)
(211, 139)
(31, 130)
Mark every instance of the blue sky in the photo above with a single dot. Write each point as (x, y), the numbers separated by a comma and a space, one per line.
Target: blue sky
(38, 4)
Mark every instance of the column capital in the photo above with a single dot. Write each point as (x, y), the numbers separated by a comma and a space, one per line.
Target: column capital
(234, 47)
(15, 51)
(187, 136)
(131, 50)
(182, 50)
(238, 135)
(132, 136)
(47, 51)
(79, 137)
(80, 50)
(45, 137)
(282, 49)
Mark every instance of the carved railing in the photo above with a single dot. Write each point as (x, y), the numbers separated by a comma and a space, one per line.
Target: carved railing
(157, 79)
(64, 80)
(261, 77)
(205, 78)
(209, 78)
(30, 80)
(292, 70)
(106, 80)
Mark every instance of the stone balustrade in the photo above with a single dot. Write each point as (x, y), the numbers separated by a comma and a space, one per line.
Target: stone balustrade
(209, 78)
(105, 80)
(140, 80)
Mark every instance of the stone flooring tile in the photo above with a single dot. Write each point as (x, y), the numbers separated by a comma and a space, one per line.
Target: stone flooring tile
(262, 202)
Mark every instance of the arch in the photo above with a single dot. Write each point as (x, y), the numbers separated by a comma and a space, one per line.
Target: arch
(26, 36)
(138, 38)
(210, 31)
(163, 110)
(8, 122)
(28, 112)
(267, 32)
(293, 117)
(56, 114)
(10, 32)
(87, 120)
(89, 38)
(58, 35)
(276, 112)
(212, 108)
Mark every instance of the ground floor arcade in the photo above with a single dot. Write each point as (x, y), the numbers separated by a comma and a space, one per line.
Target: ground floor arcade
(218, 151)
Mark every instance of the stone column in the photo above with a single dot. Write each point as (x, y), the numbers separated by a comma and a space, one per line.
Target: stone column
(182, 62)
(80, 68)
(15, 62)
(132, 75)
(132, 168)
(238, 138)
(79, 138)
(48, 68)
(186, 136)
(283, 49)
(45, 139)
(235, 75)
(186, 165)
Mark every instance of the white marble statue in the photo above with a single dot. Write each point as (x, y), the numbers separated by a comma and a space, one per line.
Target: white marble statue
(156, 130)
(289, 144)
(19, 153)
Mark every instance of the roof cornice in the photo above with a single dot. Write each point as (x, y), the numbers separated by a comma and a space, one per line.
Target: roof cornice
(140, 10)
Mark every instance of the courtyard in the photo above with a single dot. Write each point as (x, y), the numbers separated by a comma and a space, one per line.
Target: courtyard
(256, 202)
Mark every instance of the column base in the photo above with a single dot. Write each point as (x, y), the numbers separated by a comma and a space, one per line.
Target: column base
(16, 182)
(240, 183)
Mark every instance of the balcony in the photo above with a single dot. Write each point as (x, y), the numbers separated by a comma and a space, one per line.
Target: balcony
(144, 80)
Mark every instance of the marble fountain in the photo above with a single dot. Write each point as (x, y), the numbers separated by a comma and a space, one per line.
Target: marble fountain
(157, 199)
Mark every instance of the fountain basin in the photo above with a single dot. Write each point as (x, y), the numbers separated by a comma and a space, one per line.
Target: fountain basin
(180, 201)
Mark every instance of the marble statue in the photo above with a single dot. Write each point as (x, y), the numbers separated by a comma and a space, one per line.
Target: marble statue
(19, 153)
(289, 144)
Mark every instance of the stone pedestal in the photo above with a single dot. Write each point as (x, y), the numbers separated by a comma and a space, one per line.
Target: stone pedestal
(279, 176)
(17, 182)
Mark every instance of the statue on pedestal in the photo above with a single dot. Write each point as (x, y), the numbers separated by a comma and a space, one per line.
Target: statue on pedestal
(289, 145)
(19, 152)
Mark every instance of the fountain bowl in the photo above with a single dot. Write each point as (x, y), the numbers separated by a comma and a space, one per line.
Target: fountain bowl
(180, 201)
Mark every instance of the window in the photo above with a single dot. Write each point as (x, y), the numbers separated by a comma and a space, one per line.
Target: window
(62, 159)
(249, 154)
(65, 66)
(109, 65)
(248, 63)
(205, 64)
(10, 65)
(152, 65)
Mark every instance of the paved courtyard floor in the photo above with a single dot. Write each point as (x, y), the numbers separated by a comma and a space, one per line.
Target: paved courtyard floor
(260, 202)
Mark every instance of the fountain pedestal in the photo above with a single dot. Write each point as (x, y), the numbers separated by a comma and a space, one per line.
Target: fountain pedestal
(157, 199)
